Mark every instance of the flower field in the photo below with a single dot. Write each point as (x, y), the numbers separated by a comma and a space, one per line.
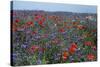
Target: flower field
(41, 37)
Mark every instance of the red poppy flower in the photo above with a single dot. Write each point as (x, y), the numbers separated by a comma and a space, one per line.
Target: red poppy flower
(88, 43)
(36, 18)
(33, 48)
(62, 30)
(73, 48)
(90, 56)
(30, 23)
(65, 55)
(40, 22)
(17, 20)
(74, 45)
